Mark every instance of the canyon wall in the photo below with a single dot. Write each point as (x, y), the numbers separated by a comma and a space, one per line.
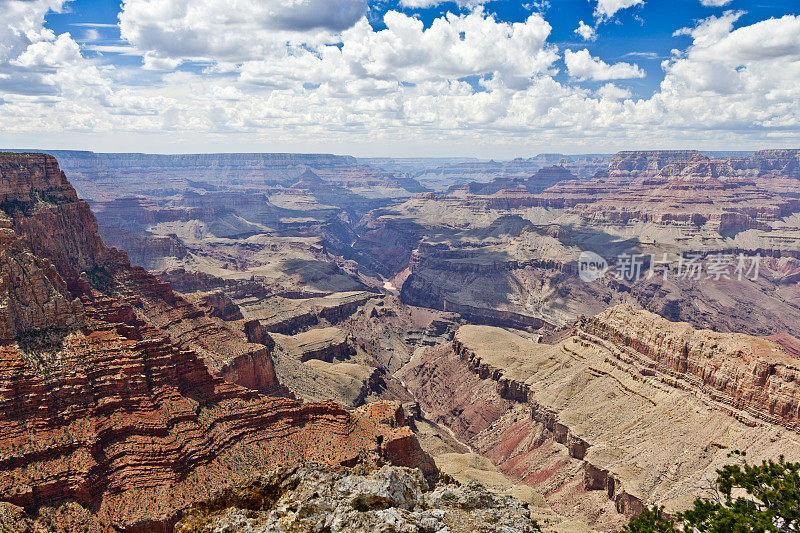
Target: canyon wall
(749, 374)
(627, 410)
(108, 398)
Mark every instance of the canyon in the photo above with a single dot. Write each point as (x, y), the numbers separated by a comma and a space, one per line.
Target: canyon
(586, 419)
(120, 402)
(176, 328)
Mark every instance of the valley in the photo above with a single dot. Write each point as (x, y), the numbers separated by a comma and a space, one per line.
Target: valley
(216, 315)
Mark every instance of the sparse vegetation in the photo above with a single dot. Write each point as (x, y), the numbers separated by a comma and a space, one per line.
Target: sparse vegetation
(37, 348)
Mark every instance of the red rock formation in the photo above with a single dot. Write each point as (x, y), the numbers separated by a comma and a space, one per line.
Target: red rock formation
(526, 442)
(110, 406)
(32, 294)
(574, 434)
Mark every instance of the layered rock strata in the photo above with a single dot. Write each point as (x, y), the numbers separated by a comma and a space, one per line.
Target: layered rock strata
(755, 376)
(324, 344)
(110, 412)
(584, 421)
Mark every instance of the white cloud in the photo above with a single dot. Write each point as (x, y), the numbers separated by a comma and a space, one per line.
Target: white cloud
(583, 66)
(423, 4)
(643, 55)
(454, 46)
(606, 9)
(21, 24)
(241, 29)
(153, 61)
(715, 3)
(34, 61)
(586, 32)
(613, 92)
(93, 25)
(59, 52)
(91, 35)
(462, 80)
(419, 4)
(757, 61)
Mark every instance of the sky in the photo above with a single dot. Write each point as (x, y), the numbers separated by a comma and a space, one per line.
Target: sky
(403, 78)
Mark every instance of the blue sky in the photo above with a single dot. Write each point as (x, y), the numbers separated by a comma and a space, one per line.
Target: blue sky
(485, 78)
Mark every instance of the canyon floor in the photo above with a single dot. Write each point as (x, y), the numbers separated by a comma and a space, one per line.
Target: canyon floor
(178, 325)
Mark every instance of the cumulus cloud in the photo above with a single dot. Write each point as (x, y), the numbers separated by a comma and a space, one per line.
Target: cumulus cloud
(715, 3)
(583, 66)
(59, 52)
(21, 24)
(586, 32)
(606, 9)
(452, 47)
(761, 59)
(34, 61)
(612, 92)
(214, 29)
(461, 78)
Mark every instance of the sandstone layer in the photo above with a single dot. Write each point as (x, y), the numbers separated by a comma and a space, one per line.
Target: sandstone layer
(113, 404)
(584, 421)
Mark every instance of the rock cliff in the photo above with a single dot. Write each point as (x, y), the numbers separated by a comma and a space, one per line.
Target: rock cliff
(46, 215)
(749, 374)
(585, 421)
(109, 409)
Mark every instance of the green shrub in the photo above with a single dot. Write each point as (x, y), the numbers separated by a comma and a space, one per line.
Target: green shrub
(771, 503)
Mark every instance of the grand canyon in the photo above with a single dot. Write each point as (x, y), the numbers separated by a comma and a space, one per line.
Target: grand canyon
(178, 326)
(399, 266)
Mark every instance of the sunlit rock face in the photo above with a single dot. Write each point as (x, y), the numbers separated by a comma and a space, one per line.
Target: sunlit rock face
(117, 396)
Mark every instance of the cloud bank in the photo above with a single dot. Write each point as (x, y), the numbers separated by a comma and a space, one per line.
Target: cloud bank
(465, 79)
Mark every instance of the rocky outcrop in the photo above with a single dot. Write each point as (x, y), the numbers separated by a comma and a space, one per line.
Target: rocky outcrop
(219, 305)
(626, 165)
(482, 285)
(387, 245)
(296, 315)
(526, 442)
(33, 297)
(424, 293)
(324, 344)
(149, 251)
(356, 500)
(595, 478)
(120, 421)
(194, 169)
(223, 346)
(47, 216)
(585, 420)
(185, 281)
(755, 376)
(505, 187)
(784, 162)
(517, 390)
(547, 177)
(686, 188)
